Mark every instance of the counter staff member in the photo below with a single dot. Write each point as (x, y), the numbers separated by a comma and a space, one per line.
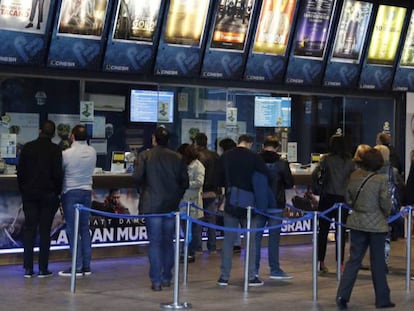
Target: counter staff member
(39, 177)
(162, 179)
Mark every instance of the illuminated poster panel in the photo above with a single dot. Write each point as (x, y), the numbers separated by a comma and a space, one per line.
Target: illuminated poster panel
(352, 30)
(82, 17)
(232, 24)
(275, 24)
(313, 28)
(136, 20)
(186, 21)
(407, 56)
(386, 35)
(24, 26)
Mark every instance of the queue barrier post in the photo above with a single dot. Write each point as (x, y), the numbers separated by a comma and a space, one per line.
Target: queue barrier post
(75, 249)
(186, 243)
(339, 238)
(246, 260)
(408, 250)
(315, 257)
(175, 305)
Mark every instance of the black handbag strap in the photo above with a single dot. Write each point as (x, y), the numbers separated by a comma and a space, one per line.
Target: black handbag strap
(361, 186)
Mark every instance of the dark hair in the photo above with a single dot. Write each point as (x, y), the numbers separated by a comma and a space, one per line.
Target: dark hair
(201, 139)
(245, 138)
(372, 160)
(189, 153)
(271, 141)
(384, 138)
(338, 145)
(80, 133)
(227, 144)
(48, 129)
(161, 136)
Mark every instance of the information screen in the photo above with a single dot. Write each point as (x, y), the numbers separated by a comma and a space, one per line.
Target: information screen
(151, 106)
(407, 57)
(272, 111)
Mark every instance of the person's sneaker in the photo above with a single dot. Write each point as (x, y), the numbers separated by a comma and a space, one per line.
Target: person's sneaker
(86, 271)
(68, 272)
(281, 275)
(45, 274)
(256, 282)
(28, 273)
(236, 249)
(222, 282)
(341, 303)
(412, 278)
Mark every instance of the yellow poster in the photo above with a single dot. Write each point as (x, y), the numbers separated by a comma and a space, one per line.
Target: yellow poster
(407, 57)
(186, 21)
(386, 35)
(274, 26)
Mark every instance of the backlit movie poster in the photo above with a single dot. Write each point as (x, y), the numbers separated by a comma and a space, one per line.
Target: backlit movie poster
(136, 20)
(352, 30)
(313, 28)
(82, 17)
(186, 21)
(275, 24)
(24, 15)
(407, 56)
(232, 24)
(386, 35)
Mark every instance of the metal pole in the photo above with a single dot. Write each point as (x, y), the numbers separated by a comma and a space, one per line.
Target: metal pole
(175, 304)
(186, 242)
(408, 250)
(339, 243)
(75, 249)
(246, 260)
(315, 257)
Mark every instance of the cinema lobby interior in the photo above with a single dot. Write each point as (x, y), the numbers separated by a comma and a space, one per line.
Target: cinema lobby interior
(302, 70)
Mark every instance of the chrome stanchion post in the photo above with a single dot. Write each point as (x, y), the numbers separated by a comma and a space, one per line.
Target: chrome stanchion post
(246, 260)
(339, 238)
(186, 242)
(315, 257)
(408, 250)
(175, 304)
(75, 249)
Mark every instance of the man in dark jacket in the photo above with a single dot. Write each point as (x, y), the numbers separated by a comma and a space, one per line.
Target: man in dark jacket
(162, 179)
(40, 178)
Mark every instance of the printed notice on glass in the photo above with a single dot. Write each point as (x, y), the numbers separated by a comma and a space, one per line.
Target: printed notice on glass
(386, 35)
(275, 24)
(407, 57)
(8, 143)
(352, 30)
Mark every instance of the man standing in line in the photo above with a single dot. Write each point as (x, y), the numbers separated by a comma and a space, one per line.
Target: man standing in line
(39, 176)
(162, 178)
(210, 160)
(79, 163)
(237, 168)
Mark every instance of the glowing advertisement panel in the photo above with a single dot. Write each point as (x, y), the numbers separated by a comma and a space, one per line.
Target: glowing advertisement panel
(133, 35)
(183, 38)
(76, 41)
(386, 35)
(404, 75)
(272, 111)
(343, 67)
(308, 53)
(24, 25)
(378, 70)
(231, 30)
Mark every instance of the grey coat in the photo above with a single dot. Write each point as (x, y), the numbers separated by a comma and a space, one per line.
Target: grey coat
(371, 210)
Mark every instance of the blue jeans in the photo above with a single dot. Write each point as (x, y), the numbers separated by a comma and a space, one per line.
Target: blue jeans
(160, 231)
(84, 251)
(209, 204)
(273, 241)
(229, 238)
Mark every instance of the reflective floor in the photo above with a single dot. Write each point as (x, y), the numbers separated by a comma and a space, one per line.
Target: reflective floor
(122, 284)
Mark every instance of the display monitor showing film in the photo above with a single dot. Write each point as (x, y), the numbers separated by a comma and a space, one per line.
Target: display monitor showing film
(386, 35)
(351, 32)
(275, 24)
(272, 111)
(151, 106)
(407, 56)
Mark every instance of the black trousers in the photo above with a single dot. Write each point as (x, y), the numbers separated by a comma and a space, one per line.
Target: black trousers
(360, 241)
(39, 212)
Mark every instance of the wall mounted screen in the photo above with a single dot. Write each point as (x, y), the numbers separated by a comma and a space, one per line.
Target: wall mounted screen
(407, 56)
(272, 111)
(151, 106)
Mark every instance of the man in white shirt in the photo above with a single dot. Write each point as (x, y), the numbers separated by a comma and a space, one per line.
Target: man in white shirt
(79, 163)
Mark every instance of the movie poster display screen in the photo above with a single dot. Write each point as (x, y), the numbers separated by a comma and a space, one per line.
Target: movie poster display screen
(407, 56)
(352, 30)
(275, 24)
(85, 17)
(136, 20)
(24, 15)
(386, 35)
(232, 23)
(313, 28)
(186, 21)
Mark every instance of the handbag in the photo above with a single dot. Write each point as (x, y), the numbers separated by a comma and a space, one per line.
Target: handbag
(318, 176)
